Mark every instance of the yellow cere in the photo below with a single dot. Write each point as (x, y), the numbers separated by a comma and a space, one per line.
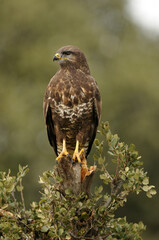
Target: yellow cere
(57, 55)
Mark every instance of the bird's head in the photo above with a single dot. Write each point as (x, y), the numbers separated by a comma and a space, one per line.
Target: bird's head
(71, 56)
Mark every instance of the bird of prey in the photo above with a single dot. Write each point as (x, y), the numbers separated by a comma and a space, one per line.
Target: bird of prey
(72, 105)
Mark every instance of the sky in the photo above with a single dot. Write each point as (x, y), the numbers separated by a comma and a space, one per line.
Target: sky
(145, 13)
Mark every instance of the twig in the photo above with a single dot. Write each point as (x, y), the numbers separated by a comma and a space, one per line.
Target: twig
(15, 202)
(76, 237)
(108, 202)
(117, 169)
(114, 192)
(21, 194)
(107, 172)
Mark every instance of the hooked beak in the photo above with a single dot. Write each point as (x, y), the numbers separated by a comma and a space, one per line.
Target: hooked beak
(57, 57)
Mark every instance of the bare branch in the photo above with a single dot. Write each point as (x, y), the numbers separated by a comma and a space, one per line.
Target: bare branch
(76, 176)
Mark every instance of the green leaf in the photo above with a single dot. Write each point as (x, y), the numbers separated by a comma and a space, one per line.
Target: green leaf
(109, 136)
(145, 181)
(68, 191)
(19, 188)
(131, 147)
(25, 172)
(84, 215)
(80, 204)
(102, 176)
(111, 215)
(96, 142)
(111, 153)
(44, 229)
(60, 231)
(152, 191)
(146, 188)
(20, 168)
(51, 234)
(34, 205)
(10, 187)
(68, 237)
(63, 210)
(41, 180)
(148, 194)
(59, 179)
(100, 160)
(95, 157)
(114, 140)
(100, 189)
(46, 191)
(40, 215)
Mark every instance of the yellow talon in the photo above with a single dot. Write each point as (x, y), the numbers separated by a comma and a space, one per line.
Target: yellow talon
(77, 154)
(64, 151)
(82, 151)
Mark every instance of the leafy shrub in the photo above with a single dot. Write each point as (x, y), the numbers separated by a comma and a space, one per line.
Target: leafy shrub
(66, 216)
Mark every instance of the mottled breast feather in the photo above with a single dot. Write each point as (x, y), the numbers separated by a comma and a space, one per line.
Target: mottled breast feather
(72, 105)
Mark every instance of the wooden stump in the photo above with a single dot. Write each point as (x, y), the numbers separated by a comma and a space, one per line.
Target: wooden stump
(76, 176)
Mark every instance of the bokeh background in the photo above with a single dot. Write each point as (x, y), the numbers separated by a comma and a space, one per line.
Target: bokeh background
(123, 59)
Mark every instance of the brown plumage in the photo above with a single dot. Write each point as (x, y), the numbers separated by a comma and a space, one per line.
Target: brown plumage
(72, 104)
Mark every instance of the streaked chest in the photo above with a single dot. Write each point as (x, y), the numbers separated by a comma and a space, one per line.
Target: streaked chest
(75, 112)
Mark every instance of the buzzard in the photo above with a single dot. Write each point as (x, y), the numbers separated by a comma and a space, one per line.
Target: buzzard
(72, 105)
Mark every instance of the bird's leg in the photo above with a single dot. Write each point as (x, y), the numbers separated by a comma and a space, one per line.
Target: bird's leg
(77, 154)
(64, 151)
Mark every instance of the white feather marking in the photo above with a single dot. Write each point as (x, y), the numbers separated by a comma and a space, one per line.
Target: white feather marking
(71, 113)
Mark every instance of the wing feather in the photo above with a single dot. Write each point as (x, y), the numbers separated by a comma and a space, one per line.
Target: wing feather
(97, 105)
(50, 128)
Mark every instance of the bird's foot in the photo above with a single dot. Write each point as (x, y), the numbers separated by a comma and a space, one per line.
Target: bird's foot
(62, 154)
(78, 156)
(85, 171)
(82, 151)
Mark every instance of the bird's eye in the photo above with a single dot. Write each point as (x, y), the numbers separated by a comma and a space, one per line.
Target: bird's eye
(67, 52)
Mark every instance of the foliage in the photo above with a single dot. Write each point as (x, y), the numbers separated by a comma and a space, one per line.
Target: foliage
(57, 216)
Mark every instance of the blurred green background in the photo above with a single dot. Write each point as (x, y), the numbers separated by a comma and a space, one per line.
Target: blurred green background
(124, 62)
